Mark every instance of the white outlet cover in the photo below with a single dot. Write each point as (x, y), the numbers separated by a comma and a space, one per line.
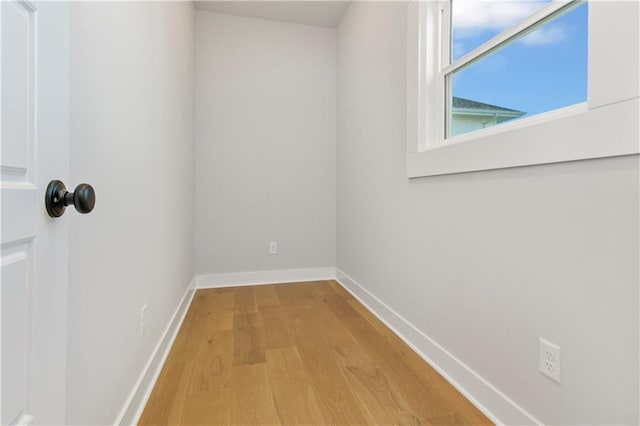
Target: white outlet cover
(273, 247)
(549, 359)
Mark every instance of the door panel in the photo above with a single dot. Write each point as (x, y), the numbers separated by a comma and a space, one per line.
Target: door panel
(33, 256)
(16, 291)
(17, 90)
(19, 203)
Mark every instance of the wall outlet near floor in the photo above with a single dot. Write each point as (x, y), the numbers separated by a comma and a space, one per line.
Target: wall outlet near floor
(549, 360)
(143, 319)
(273, 247)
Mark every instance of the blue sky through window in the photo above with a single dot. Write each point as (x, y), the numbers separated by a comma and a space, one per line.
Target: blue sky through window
(545, 70)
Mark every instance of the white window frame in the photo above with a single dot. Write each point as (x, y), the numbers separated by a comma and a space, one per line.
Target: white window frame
(577, 132)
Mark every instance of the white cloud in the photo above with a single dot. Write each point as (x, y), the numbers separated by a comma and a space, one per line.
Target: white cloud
(546, 35)
(471, 17)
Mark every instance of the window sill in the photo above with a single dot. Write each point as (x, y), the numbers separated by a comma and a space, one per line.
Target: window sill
(513, 125)
(573, 133)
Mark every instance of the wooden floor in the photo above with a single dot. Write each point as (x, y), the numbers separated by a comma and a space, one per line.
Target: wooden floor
(305, 353)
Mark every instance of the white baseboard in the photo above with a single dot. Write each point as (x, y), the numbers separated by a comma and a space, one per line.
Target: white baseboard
(236, 279)
(498, 407)
(137, 400)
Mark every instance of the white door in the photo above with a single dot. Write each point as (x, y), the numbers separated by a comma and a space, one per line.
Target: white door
(34, 137)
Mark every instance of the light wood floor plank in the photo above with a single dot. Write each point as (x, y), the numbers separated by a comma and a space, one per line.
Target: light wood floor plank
(276, 334)
(248, 347)
(372, 387)
(337, 401)
(296, 354)
(294, 397)
(340, 307)
(207, 408)
(265, 295)
(451, 419)
(212, 368)
(244, 299)
(321, 288)
(294, 295)
(212, 300)
(252, 399)
(333, 329)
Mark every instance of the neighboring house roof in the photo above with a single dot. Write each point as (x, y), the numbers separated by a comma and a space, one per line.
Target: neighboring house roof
(467, 106)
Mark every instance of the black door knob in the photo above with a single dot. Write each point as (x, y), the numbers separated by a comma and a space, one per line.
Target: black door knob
(57, 198)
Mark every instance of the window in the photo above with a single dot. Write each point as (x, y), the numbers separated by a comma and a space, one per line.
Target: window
(540, 66)
(505, 83)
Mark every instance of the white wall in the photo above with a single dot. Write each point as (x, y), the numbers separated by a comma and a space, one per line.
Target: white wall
(485, 263)
(265, 144)
(132, 112)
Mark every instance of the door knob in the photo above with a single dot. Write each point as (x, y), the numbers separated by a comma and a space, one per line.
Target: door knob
(57, 198)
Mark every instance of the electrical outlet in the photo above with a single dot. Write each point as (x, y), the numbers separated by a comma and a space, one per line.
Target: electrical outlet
(143, 319)
(549, 360)
(273, 247)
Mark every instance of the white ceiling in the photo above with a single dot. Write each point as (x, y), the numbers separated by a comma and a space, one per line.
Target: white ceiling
(318, 13)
